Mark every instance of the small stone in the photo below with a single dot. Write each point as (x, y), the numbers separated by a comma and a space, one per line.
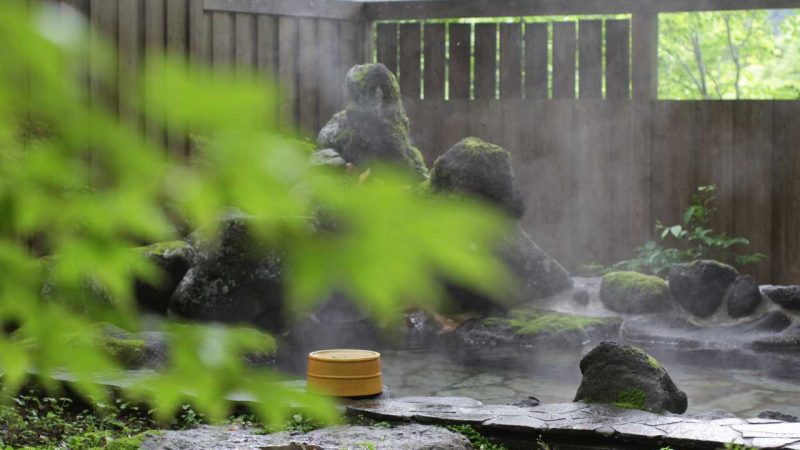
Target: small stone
(743, 297)
(581, 297)
(777, 415)
(787, 297)
(327, 157)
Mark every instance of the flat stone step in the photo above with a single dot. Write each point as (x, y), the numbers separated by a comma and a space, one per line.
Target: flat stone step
(580, 425)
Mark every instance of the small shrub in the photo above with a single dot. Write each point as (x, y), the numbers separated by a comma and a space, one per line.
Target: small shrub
(478, 440)
(692, 239)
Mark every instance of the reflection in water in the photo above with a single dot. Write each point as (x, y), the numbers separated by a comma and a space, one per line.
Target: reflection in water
(740, 382)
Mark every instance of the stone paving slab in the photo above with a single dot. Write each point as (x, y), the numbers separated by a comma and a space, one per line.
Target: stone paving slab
(603, 424)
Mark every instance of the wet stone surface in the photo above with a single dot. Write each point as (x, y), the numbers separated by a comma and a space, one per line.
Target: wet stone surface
(579, 422)
(407, 437)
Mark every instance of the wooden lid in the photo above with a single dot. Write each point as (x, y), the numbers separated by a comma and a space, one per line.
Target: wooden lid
(344, 355)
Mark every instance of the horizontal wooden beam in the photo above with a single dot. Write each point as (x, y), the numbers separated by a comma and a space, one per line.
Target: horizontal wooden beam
(441, 9)
(320, 9)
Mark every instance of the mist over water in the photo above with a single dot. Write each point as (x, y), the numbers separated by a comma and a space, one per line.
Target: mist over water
(743, 383)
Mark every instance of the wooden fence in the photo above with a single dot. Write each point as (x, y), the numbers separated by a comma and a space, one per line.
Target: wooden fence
(598, 158)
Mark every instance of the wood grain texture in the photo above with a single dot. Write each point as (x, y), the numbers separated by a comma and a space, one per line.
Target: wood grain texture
(536, 61)
(435, 61)
(564, 55)
(511, 61)
(618, 66)
(590, 53)
(459, 62)
(410, 63)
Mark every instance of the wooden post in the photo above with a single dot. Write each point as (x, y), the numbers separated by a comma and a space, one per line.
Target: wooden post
(645, 55)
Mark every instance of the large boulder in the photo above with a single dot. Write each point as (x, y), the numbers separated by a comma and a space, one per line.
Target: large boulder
(173, 259)
(374, 125)
(743, 297)
(235, 279)
(630, 378)
(787, 297)
(634, 293)
(539, 274)
(479, 169)
(700, 286)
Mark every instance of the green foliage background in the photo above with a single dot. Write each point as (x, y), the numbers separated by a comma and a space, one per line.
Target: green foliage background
(80, 189)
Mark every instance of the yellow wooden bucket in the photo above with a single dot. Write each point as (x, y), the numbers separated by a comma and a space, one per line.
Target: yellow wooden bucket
(345, 372)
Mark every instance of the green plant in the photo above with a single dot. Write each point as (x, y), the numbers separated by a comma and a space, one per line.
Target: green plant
(478, 440)
(735, 446)
(81, 189)
(692, 239)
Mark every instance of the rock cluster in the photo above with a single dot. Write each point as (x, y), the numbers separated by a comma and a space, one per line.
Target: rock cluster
(374, 126)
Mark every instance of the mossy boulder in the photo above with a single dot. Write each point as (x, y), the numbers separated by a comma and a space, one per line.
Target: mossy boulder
(743, 297)
(128, 352)
(628, 377)
(700, 286)
(235, 279)
(634, 293)
(374, 125)
(531, 327)
(173, 259)
(479, 169)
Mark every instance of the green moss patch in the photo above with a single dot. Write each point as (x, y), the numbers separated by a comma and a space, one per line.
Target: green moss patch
(528, 322)
(128, 352)
(631, 399)
(161, 248)
(634, 293)
(130, 443)
(477, 145)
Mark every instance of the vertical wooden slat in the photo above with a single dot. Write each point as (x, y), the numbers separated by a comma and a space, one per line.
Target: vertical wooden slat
(349, 48)
(564, 52)
(266, 44)
(459, 62)
(177, 26)
(387, 45)
(104, 32)
(245, 40)
(673, 175)
(434, 70)
(620, 166)
(715, 157)
(199, 33)
(785, 252)
(308, 105)
(330, 76)
(644, 46)
(485, 60)
(590, 47)
(410, 62)
(618, 78)
(222, 40)
(640, 154)
(536, 64)
(510, 60)
(287, 70)
(129, 53)
(155, 39)
(753, 180)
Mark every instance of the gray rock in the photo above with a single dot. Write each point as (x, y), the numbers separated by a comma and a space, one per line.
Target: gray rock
(700, 286)
(634, 293)
(406, 437)
(335, 133)
(479, 169)
(628, 377)
(377, 125)
(540, 274)
(327, 157)
(787, 297)
(174, 260)
(581, 297)
(777, 415)
(235, 279)
(743, 297)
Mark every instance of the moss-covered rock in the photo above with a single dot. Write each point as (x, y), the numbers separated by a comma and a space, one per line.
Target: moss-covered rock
(129, 352)
(173, 258)
(479, 169)
(634, 293)
(630, 378)
(529, 327)
(235, 279)
(700, 286)
(374, 126)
